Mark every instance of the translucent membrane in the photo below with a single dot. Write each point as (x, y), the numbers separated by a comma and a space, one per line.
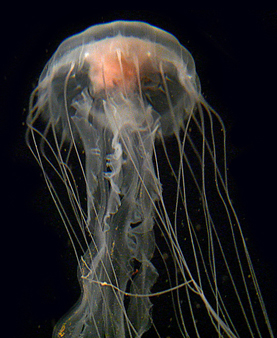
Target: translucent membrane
(135, 161)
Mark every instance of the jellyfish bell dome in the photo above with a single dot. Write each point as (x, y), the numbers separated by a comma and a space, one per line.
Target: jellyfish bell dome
(125, 59)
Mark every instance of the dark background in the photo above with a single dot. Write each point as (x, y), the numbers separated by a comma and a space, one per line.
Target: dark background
(235, 55)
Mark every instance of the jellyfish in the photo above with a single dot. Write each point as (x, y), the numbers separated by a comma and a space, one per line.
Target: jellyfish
(135, 161)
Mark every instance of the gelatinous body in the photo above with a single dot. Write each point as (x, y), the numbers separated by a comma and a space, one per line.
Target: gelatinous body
(118, 118)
